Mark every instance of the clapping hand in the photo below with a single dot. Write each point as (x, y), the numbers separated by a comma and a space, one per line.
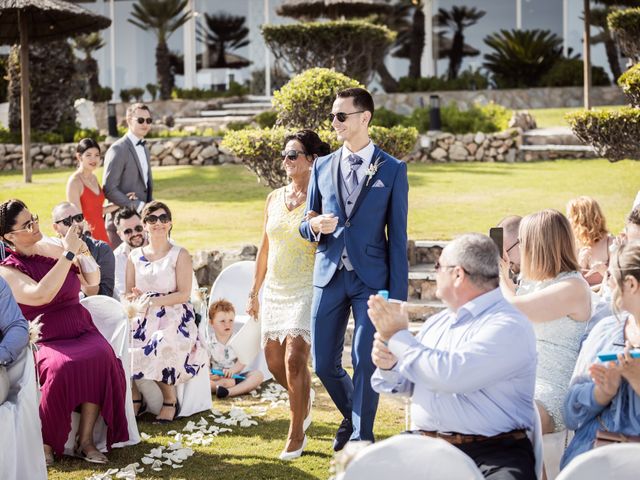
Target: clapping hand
(629, 367)
(72, 241)
(388, 317)
(607, 379)
(381, 355)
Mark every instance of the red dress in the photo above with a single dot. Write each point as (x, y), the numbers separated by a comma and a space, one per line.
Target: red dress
(91, 204)
(74, 361)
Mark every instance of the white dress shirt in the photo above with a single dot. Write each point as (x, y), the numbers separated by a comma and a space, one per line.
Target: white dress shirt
(121, 253)
(366, 154)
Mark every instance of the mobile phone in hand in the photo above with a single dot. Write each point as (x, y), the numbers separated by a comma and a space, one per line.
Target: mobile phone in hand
(496, 234)
(613, 357)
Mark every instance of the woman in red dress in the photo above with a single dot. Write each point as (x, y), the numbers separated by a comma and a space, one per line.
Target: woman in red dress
(83, 189)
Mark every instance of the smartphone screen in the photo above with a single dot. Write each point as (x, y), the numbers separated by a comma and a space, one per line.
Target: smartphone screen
(496, 235)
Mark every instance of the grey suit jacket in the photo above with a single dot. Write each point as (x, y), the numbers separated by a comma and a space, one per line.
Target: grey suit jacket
(123, 174)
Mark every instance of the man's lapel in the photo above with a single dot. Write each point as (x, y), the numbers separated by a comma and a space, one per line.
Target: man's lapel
(335, 177)
(366, 186)
(134, 154)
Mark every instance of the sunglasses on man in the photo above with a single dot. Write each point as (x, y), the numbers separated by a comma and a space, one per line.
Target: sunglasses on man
(292, 154)
(342, 116)
(141, 120)
(137, 229)
(71, 219)
(152, 219)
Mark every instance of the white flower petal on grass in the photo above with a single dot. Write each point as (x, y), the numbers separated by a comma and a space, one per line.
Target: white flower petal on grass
(147, 460)
(144, 436)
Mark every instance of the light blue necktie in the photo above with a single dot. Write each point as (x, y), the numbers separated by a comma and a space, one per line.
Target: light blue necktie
(354, 164)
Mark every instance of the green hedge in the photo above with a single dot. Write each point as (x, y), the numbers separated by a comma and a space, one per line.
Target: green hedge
(625, 24)
(306, 100)
(568, 72)
(629, 81)
(53, 138)
(234, 90)
(613, 134)
(467, 80)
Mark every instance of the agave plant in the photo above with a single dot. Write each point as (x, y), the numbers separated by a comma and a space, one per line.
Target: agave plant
(456, 20)
(223, 33)
(163, 18)
(521, 57)
(88, 44)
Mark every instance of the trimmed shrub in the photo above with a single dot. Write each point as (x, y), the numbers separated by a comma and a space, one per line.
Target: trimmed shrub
(486, 118)
(397, 141)
(237, 125)
(306, 100)
(353, 47)
(103, 94)
(629, 81)
(152, 88)
(235, 90)
(266, 119)
(387, 118)
(467, 80)
(137, 93)
(567, 72)
(625, 25)
(612, 133)
(87, 133)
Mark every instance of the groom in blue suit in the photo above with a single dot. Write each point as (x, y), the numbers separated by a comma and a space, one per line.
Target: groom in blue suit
(357, 212)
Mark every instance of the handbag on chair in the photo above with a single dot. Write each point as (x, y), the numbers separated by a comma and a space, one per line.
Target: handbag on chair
(604, 438)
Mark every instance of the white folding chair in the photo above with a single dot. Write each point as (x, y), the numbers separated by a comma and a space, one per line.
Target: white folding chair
(621, 461)
(233, 284)
(111, 320)
(411, 456)
(21, 453)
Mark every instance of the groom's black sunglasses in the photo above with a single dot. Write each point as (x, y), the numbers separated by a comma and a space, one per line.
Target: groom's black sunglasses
(67, 222)
(141, 120)
(342, 117)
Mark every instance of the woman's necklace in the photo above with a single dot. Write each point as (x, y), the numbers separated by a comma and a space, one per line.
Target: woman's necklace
(294, 199)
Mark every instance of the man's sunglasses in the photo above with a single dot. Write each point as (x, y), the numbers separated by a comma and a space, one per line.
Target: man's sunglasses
(141, 120)
(292, 154)
(342, 116)
(137, 229)
(28, 227)
(71, 219)
(152, 219)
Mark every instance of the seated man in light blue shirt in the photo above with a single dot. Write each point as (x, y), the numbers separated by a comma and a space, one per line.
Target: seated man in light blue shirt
(14, 329)
(471, 369)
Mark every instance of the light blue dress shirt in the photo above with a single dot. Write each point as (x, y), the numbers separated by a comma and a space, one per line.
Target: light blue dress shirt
(581, 411)
(470, 372)
(14, 329)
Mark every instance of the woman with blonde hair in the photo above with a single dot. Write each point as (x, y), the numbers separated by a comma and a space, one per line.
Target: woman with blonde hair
(592, 237)
(556, 299)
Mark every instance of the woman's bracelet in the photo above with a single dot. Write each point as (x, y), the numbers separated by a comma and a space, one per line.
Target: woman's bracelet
(253, 295)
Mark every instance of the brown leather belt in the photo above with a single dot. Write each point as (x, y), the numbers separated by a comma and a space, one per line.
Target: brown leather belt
(460, 438)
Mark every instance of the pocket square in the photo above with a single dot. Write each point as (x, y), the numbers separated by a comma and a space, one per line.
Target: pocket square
(378, 183)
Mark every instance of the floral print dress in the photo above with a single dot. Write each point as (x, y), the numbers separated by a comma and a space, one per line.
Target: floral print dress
(165, 342)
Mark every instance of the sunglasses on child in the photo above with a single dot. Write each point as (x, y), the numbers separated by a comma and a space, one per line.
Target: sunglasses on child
(342, 116)
(71, 219)
(292, 154)
(152, 219)
(141, 120)
(137, 229)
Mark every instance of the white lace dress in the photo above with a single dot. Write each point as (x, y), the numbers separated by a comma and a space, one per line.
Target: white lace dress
(558, 345)
(288, 284)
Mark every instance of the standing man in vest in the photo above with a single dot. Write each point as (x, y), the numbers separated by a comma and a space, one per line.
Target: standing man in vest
(357, 212)
(127, 168)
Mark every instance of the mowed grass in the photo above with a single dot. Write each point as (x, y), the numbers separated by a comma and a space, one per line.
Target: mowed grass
(223, 207)
(554, 117)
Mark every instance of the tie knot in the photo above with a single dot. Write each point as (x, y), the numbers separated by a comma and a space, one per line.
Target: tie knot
(354, 161)
(141, 142)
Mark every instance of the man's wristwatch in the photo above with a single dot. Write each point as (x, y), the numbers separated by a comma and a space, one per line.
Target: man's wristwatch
(69, 255)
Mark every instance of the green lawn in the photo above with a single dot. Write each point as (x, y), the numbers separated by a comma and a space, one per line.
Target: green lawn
(223, 206)
(554, 117)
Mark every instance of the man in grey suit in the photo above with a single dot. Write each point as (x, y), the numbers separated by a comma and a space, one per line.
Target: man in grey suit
(127, 168)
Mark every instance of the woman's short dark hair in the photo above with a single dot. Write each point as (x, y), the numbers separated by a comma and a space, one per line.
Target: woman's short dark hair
(9, 211)
(153, 206)
(85, 144)
(310, 142)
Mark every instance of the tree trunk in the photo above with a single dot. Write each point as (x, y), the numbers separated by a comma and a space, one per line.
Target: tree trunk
(611, 47)
(389, 83)
(163, 70)
(416, 45)
(455, 55)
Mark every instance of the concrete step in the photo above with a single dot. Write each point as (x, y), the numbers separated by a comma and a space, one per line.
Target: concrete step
(557, 148)
(422, 282)
(550, 136)
(248, 105)
(424, 251)
(228, 112)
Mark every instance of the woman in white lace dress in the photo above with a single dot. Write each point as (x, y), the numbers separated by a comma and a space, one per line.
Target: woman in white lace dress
(556, 298)
(284, 266)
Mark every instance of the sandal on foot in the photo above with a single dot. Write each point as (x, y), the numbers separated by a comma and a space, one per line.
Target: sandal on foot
(143, 406)
(91, 457)
(49, 459)
(176, 410)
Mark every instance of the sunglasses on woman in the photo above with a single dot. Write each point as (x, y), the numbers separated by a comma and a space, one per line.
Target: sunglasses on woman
(28, 227)
(137, 229)
(292, 154)
(342, 116)
(141, 120)
(152, 219)
(71, 219)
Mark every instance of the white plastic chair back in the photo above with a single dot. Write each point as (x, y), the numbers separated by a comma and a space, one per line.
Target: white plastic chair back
(554, 445)
(619, 461)
(21, 454)
(111, 320)
(412, 457)
(233, 284)
(537, 442)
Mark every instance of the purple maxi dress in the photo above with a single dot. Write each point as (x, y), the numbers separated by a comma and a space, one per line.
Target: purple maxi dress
(75, 362)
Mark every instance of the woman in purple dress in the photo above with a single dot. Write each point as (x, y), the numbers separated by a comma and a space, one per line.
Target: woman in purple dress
(77, 367)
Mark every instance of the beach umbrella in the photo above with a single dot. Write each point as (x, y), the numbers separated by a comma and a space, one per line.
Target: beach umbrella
(332, 8)
(23, 21)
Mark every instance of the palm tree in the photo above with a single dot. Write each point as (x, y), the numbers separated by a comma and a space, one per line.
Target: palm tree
(223, 33)
(88, 44)
(456, 20)
(163, 18)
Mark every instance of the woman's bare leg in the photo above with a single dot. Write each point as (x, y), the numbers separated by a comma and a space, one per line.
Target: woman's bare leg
(299, 381)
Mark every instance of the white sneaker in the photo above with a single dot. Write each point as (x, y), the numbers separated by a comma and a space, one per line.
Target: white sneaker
(307, 420)
(296, 453)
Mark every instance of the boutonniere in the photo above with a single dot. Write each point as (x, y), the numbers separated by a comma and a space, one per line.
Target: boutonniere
(372, 170)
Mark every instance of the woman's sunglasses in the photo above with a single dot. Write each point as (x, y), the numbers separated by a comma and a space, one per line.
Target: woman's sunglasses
(152, 219)
(341, 116)
(71, 219)
(141, 120)
(137, 229)
(292, 154)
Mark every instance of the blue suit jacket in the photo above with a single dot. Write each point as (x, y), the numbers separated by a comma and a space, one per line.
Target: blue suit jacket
(376, 232)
